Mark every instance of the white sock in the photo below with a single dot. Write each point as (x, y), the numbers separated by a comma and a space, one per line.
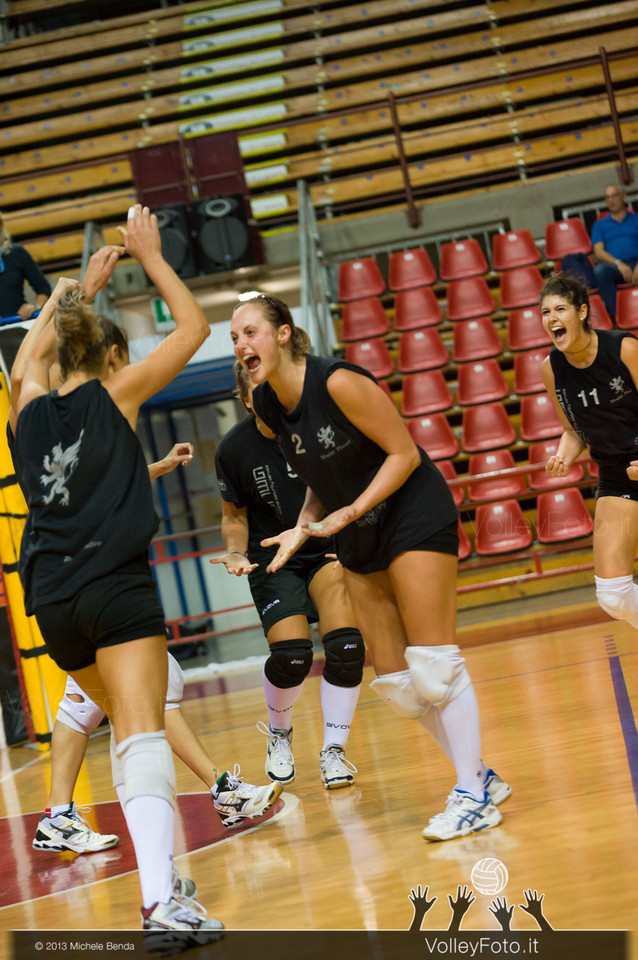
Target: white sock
(150, 821)
(459, 727)
(280, 702)
(338, 705)
(60, 808)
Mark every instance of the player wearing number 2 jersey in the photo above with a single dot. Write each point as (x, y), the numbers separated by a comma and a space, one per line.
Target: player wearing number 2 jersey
(592, 377)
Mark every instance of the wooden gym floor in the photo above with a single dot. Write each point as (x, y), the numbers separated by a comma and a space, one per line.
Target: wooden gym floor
(558, 721)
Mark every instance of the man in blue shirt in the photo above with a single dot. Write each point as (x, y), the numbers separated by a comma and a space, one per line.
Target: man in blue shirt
(17, 267)
(615, 242)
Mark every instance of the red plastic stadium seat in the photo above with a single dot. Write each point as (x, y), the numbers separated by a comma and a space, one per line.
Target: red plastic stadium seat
(469, 298)
(447, 469)
(475, 340)
(501, 528)
(421, 350)
(462, 258)
(600, 319)
(539, 420)
(465, 545)
(500, 488)
(562, 515)
(373, 355)
(362, 319)
(566, 236)
(410, 268)
(359, 278)
(480, 382)
(538, 479)
(520, 287)
(592, 469)
(528, 377)
(486, 427)
(514, 249)
(414, 309)
(627, 308)
(434, 435)
(425, 392)
(525, 329)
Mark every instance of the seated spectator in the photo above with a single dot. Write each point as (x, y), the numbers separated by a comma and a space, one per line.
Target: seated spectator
(615, 242)
(16, 267)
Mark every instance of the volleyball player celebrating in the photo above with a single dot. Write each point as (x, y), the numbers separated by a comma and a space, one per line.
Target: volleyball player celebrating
(592, 377)
(260, 493)
(395, 528)
(84, 556)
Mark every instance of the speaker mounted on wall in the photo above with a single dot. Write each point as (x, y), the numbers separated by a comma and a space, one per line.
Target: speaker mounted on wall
(175, 234)
(220, 232)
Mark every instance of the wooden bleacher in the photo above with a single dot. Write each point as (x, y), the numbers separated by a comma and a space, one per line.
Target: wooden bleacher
(308, 98)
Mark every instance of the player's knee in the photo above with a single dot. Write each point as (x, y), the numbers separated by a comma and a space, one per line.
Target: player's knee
(345, 657)
(289, 663)
(147, 764)
(78, 711)
(618, 596)
(400, 694)
(439, 673)
(175, 689)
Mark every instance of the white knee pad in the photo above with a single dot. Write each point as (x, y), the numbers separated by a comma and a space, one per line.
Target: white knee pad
(400, 694)
(148, 767)
(83, 716)
(618, 596)
(117, 770)
(439, 673)
(175, 688)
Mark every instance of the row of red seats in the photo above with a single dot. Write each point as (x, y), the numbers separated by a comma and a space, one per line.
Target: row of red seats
(423, 348)
(461, 259)
(471, 299)
(506, 486)
(486, 426)
(502, 527)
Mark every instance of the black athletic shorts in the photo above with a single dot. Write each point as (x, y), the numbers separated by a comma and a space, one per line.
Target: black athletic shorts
(110, 610)
(614, 482)
(284, 593)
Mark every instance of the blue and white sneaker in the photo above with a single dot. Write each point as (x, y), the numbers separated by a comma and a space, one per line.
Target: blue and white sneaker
(498, 790)
(462, 815)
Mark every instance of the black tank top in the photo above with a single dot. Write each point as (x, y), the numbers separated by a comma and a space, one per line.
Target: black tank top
(337, 461)
(252, 473)
(87, 487)
(600, 401)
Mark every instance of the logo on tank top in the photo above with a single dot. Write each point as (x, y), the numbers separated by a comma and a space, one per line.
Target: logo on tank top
(265, 484)
(326, 437)
(619, 387)
(58, 467)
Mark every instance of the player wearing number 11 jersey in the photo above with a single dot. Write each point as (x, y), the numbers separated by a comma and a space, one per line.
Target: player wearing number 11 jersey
(592, 377)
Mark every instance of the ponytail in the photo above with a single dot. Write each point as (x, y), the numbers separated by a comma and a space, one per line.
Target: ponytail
(81, 339)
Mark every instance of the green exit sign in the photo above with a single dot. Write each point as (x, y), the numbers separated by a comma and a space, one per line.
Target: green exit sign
(164, 322)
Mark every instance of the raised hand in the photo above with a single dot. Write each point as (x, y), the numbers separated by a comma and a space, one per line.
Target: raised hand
(464, 899)
(421, 906)
(534, 906)
(502, 914)
(99, 269)
(141, 236)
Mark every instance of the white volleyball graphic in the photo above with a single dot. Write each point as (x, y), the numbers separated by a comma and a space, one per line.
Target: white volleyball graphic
(489, 876)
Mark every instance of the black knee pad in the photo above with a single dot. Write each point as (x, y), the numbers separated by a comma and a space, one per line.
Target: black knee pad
(345, 656)
(289, 663)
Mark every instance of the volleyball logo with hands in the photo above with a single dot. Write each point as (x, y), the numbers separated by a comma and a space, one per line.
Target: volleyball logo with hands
(489, 876)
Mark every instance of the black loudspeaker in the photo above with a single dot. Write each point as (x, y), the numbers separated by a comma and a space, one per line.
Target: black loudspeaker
(220, 230)
(177, 250)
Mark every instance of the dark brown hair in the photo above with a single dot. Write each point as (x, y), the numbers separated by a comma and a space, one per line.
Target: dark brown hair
(570, 287)
(278, 314)
(242, 380)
